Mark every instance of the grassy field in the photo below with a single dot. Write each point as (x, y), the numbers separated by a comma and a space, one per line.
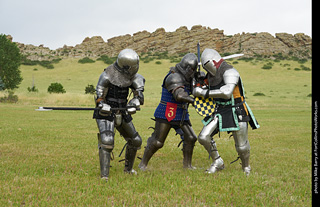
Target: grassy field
(51, 158)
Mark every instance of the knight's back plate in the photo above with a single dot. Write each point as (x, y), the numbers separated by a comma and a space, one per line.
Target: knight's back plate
(204, 107)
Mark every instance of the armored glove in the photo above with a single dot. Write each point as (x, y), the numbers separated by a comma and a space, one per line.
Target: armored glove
(133, 105)
(105, 109)
(198, 91)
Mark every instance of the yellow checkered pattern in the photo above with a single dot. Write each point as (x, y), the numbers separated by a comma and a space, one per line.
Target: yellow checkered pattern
(204, 107)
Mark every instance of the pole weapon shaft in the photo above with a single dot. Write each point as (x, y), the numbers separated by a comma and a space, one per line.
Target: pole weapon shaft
(41, 108)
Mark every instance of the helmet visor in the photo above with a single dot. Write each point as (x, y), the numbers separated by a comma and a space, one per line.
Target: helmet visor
(210, 67)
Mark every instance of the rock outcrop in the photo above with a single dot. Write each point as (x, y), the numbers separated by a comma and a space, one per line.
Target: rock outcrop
(181, 41)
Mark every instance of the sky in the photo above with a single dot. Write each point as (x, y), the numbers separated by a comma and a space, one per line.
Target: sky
(55, 23)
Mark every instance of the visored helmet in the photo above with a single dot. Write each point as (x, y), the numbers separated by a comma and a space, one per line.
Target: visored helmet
(188, 65)
(128, 62)
(210, 59)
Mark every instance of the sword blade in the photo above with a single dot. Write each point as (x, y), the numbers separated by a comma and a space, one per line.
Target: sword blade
(198, 51)
(232, 56)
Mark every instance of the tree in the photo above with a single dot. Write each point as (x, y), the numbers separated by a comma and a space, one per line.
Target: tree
(10, 59)
(1, 85)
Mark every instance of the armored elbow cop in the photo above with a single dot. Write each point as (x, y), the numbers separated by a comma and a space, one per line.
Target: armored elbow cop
(139, 96)
(138, 85)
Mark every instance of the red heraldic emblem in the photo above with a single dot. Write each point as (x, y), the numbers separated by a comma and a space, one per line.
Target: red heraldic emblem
(171, 111)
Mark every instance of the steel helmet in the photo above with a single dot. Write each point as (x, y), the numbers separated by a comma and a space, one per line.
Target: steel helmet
(128, 62)
(210, 59)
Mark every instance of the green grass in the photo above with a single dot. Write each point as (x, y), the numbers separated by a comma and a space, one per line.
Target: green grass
(51, 158)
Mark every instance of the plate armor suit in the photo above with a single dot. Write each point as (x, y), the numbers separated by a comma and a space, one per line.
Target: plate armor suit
(232, 113)
(172, 111)
(112, 93)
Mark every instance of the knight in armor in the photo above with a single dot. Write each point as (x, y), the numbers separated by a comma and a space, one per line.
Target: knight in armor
(232, 113)
(115, 110)
(172, 111)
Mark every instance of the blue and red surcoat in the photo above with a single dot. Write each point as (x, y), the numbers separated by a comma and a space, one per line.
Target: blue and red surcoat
(169, 109)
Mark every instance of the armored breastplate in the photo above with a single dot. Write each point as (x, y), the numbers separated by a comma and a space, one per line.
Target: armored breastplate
(117, 96)
(217, 82)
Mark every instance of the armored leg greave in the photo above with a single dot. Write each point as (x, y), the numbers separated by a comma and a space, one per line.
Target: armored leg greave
(154, 143)
(242, 146)
(134, 141)
(105, 144)
(104, 157)
(133, 144)
(217, 163)
(210, 145)
(129, 159)
(188, 144)
(187, 156)
(152, 146)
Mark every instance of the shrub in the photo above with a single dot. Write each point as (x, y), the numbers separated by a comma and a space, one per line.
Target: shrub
(305, 68)
(89, 89)
(301, 61)
(44, 63)
(258, 94)
(158, 62)
(279, 57)
(56, 88)
(47, 64)
(175, 59)
(106, 59)
(267, 66)
(11, 98)
(32, 89)
(246, 59)
(86, 60)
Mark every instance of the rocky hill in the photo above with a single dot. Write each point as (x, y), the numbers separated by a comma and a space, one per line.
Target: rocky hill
(181, 41)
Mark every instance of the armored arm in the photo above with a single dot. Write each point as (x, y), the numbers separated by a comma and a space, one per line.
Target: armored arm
(101, 92)
(137, 88)
(102, 87)
(176, 84)
(230, 78)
